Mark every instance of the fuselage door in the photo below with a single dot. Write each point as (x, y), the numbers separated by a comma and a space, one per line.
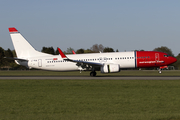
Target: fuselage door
(40, 62)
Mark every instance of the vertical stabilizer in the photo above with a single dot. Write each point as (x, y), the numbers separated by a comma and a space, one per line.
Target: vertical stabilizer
(22, 47)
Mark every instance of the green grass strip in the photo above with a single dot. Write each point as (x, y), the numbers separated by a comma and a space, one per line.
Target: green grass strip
(90, 99)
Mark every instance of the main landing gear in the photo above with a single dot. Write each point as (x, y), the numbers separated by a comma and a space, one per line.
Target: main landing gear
(93, 73)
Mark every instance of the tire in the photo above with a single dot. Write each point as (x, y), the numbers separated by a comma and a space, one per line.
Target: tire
(92, 74)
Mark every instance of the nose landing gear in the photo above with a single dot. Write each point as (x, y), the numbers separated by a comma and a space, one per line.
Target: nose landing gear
(159, 71)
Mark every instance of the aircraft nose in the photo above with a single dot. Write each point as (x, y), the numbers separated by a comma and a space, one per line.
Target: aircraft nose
(173, 59)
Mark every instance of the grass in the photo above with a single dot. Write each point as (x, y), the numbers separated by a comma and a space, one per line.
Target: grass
(90, 99)
(86, 73)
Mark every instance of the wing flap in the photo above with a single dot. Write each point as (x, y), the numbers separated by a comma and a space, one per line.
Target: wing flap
(87, 63)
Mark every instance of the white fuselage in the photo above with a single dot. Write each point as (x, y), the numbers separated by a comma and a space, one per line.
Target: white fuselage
(56, 63)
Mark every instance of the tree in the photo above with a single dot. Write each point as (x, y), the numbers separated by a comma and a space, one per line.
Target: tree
(139, 50)
(177, 64)
(88, 51)
(107, 49)
(57, 51)
(69, 50)
(14, 53)
(165, 50)
(97, 48)
(8, 63)
(2, 55)
(8, 53)
(79, 51)
(49, 50)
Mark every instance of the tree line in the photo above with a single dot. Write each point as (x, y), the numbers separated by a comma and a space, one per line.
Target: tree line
(96, 48)
(7, 63)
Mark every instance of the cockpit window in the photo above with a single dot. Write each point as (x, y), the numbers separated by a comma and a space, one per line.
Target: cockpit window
(166, 55)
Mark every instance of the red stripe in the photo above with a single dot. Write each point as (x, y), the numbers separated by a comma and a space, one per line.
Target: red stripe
(13, 29)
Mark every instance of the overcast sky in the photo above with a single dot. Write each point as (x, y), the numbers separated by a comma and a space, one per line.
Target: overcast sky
(120, 24)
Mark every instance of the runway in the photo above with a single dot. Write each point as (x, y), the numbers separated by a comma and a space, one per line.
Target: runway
(87, 78)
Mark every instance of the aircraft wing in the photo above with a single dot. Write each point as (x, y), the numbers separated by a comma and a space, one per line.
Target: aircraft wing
(87, 63)
(79, 62)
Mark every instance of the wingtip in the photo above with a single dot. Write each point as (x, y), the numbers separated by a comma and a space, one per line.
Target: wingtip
(73, 52)
(61, 53)
(13, 29)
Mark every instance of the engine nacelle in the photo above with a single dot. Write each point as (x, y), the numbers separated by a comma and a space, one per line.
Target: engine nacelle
(110, 68)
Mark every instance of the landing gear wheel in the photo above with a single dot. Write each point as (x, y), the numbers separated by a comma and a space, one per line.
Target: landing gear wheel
(92, 74)
(159, 71)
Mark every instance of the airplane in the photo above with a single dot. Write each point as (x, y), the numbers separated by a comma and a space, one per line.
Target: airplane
(105, 62)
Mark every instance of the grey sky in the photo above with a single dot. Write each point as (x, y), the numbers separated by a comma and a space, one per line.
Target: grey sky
(120, 24)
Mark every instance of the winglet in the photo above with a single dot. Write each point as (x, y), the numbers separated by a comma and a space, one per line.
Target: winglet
(13, 29)
(73, 52)
(61, 53)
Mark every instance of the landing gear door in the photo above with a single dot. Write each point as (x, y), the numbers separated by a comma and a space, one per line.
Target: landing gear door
(40, 62)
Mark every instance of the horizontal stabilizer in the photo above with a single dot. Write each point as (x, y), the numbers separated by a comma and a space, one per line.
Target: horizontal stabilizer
(14, 58)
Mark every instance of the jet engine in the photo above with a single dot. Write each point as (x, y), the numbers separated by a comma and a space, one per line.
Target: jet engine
(110, 68)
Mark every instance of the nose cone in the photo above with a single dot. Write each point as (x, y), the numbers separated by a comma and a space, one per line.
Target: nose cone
(173, 60)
